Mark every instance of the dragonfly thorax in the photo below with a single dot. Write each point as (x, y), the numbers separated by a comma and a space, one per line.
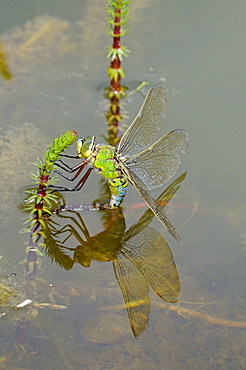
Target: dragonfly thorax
(104, 161)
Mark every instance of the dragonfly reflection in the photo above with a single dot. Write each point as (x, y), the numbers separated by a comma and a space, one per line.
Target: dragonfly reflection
(140, 257)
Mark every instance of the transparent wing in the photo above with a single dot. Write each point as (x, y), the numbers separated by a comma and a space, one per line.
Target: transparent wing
(147, 125)
(159, 163)
(145, 259)
(153, 205)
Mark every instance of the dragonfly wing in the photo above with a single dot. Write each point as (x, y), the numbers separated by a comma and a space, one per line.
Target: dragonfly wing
(135, 291)
(159, 163)
(153, 205)
(147, 125)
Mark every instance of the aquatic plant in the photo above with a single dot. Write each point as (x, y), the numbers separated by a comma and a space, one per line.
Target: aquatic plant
(117, 17)
(41, 200)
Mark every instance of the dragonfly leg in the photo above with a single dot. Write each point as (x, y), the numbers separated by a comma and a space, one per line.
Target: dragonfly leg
(83, 207)
(67, 168)
(77, 168)
(77, 187)
(66, 177)
(82, 181)
(69, 156)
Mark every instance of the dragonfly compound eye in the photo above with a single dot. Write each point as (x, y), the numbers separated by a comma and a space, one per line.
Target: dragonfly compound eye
(86, 146)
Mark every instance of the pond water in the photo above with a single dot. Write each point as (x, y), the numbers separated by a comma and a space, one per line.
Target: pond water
(56, 56)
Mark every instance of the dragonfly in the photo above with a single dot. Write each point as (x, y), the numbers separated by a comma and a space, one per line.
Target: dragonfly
(139, 159)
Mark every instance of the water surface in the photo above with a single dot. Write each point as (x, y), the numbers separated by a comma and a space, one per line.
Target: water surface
(56, 56)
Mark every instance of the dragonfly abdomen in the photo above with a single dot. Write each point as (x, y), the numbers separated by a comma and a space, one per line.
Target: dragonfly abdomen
(118, 187)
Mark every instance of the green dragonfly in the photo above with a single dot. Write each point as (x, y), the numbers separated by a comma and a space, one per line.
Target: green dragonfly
(139, 159)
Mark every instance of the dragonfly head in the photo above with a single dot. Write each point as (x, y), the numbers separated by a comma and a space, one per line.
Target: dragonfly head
(85, 147)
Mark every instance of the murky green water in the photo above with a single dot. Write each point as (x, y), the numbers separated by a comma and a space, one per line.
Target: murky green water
(56, 57)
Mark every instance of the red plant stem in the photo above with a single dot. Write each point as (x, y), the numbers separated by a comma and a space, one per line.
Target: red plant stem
(42, 189)
(115, 83)
(116, 42)
(116, 64)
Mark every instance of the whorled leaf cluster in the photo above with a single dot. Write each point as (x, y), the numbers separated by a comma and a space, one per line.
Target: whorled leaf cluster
(41, 201)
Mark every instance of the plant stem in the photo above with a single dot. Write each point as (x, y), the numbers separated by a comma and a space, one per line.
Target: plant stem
(117, 18)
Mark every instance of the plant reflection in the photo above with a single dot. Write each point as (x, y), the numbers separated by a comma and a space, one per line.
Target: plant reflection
(140, 256)
(4, 68)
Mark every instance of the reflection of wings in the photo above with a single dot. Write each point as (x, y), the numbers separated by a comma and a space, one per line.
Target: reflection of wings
(145, 258)
(135, 291)
(153, 205)
(148, 215)
(147, 125)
